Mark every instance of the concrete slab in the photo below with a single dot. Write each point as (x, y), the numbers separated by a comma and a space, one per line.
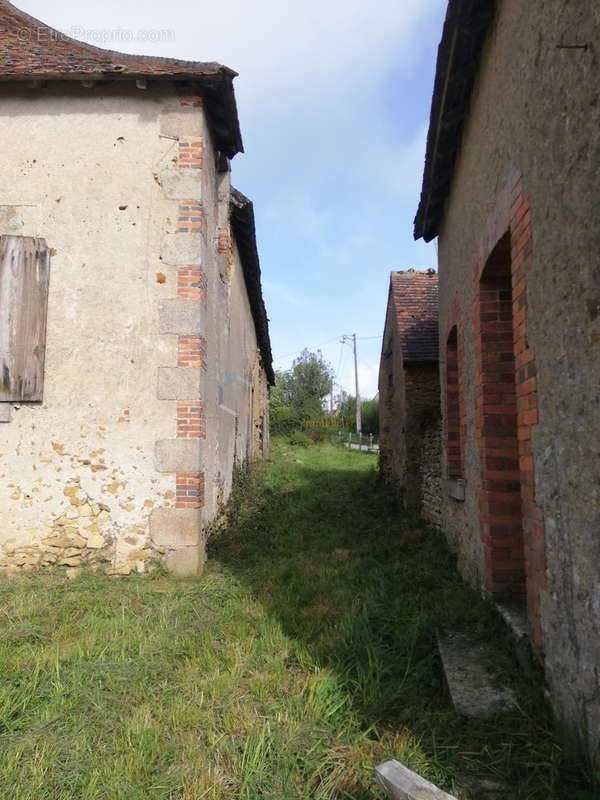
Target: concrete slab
(400, 783)
(474, 690)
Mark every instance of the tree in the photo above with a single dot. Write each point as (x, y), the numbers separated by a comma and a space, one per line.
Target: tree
(311, 378)
(298, 393)
(369, 412)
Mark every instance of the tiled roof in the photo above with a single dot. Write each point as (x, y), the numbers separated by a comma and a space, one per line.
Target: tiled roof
(414, 309)
(31, 50)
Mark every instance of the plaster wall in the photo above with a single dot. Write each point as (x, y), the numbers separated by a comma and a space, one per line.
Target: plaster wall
(535, 115)
(93, 472)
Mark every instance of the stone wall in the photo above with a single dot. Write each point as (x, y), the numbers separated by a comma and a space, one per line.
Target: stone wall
(409, 403)
(422, 391)
(130, 454)
(431, 479)
(527, 169)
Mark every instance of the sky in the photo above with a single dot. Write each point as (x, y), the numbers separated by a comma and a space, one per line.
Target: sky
(334, 99)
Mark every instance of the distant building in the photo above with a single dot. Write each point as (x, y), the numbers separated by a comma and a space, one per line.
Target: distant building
(409, 390)
(511, 190)
(133, 336)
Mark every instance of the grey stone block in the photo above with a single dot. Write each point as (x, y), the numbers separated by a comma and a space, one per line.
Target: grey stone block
(187, 560)
(401, 783)
(474, 690)
(176, 121)
(6, 411)
(185, 317)
(182, 249)
(179, 383)
(455, 488)
(179, 455)
(182, 183)
(176, 527)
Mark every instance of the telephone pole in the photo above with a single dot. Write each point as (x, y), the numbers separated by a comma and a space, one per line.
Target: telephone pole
(358, 420)
(347, 338)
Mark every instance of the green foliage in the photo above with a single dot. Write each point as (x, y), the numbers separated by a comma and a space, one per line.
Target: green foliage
(369, 411)
(302, 658)
(298, 392)
(299, 439)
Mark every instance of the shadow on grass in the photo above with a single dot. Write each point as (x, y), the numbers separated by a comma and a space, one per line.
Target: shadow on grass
(360, 587)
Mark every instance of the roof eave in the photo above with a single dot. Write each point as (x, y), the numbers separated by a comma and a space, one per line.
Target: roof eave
(466, 27)
(241, 214)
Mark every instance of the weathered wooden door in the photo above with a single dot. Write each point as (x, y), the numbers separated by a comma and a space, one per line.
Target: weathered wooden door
(24, 278)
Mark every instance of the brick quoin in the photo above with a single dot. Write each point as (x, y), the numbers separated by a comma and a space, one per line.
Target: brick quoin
(189, 490)
(191, 351)
(511, 524)
(191, 424)
(190, 152)
(191, 421)
(191, 283)
(191, 218)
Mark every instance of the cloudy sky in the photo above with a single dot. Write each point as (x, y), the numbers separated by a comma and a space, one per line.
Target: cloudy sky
(334, 99)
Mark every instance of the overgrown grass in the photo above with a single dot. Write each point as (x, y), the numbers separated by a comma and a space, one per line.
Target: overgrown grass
(300, 660)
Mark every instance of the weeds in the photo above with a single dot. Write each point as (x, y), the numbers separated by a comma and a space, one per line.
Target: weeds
(302, 658)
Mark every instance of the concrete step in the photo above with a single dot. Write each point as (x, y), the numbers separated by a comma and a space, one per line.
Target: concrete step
(474, 689)
(400, 783)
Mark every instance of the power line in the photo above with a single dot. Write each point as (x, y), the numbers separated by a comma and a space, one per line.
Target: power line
(316, 347)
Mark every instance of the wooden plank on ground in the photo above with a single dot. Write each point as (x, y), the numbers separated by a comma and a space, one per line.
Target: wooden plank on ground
(400, 783)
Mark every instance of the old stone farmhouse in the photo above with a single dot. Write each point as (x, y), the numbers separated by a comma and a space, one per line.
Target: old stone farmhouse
(511, 191)
(133, 336)
(409, 390)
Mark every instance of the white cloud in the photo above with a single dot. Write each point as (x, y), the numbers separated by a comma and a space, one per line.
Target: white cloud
(285, 52)
(275, 291)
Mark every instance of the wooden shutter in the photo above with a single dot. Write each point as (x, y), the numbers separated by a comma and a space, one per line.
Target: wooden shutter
(24, 275)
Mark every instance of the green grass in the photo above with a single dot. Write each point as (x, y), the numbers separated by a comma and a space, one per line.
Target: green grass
(302, 658)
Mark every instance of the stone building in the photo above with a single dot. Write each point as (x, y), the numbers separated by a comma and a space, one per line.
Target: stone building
(409, 390)
(133, 336)
(511, 191)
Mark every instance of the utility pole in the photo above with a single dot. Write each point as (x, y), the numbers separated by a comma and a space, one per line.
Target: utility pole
(344, 339)
(358, 420)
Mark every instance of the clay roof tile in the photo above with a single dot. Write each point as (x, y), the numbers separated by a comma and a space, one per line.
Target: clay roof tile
(414, 306)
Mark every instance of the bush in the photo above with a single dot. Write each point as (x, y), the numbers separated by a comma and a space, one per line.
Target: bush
(299, 439)
(284, 420)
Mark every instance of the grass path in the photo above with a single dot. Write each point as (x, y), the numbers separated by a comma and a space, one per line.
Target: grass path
(302, 658)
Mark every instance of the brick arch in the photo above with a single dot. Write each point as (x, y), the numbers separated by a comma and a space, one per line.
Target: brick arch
(505, 256)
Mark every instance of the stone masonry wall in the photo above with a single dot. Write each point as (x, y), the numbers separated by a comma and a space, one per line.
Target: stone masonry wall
(422, 390)
(431, 481)
(527, 168)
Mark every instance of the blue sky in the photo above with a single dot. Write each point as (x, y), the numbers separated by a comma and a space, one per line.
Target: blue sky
(334, 101)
